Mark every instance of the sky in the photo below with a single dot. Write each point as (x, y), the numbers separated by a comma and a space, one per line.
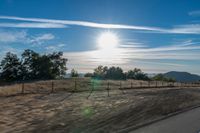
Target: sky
(157, 36)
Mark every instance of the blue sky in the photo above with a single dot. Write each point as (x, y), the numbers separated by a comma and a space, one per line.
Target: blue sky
(156, 36)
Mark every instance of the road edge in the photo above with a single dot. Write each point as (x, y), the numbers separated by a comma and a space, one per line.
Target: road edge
(129, 129)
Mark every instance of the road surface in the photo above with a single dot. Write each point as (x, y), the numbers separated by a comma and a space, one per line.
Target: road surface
(188, 122)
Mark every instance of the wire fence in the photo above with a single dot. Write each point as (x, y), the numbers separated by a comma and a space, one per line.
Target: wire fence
(86, 84)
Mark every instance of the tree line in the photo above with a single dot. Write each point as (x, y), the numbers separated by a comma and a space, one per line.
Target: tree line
(32, 66)
(117, 73)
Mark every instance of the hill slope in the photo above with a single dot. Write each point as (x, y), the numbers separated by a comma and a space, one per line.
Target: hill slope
(182, 76)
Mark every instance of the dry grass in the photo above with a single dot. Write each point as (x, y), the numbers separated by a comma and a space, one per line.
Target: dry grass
(82, 84)
(64, 111)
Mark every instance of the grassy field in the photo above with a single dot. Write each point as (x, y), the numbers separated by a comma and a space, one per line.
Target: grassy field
(83, 84)
(65, 111)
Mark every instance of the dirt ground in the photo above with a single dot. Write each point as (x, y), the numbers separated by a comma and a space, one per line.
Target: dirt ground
(65, 112)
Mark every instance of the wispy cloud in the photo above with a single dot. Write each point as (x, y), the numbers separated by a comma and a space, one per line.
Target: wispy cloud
(82, 23)
(194, 13)
(179, 29)
(32, 25)
(171, 57)
(186, 29)
(55, 47)
(41, 38)
(10, 37)
(23, 37)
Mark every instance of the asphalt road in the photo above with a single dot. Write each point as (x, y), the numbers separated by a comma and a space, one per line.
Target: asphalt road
(188, 122)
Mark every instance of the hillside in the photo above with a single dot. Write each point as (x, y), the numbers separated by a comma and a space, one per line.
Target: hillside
(182, 76)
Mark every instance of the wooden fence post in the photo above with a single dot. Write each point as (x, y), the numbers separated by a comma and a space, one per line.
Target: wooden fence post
(156, 84)
(108, 88)
(52, 87)
(75, 85)
(120, 87)
(91, 90)
(22, 88)
(149, 83)
(131, 85)
(141, 84)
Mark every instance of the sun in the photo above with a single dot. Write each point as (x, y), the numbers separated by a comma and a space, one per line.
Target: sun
(107, 41)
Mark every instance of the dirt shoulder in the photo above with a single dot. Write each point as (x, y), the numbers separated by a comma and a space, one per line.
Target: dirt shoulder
(66, 112)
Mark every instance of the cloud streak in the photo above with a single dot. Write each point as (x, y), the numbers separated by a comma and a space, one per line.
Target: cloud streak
(82, 23)
(53, 23)
(11, 37)
(171, 57)
(32, 25)
(194, 13)
(23, 37)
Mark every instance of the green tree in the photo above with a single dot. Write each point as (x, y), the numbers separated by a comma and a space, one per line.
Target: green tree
(88, 75)
(74, 73)
(58, 64)
(30, 64)
(100, 72)
(38, 66)
(33, 66)
(11, 68)
(115, 73)
(136, 74)
(161, 77)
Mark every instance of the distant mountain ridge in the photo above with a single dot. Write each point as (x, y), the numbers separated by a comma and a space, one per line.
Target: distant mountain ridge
(182, 76)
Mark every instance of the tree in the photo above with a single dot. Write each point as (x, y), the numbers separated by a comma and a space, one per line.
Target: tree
(161, 77)
(58, 64)
(130, 74)
(30, 64)
(38, 66)
(11, 68)
(100, 72)
(88, 75)
(33, 66)
(74, 73)
(137, 74)
(115, 73)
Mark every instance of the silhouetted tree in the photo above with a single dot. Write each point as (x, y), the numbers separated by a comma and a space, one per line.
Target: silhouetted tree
(100, 72)
(30, 61)
(33, 66)
(74, 73)
(161, 77)
(58, 64)
(10, 68)
(136, 74)
(115, 73)
(88, 75)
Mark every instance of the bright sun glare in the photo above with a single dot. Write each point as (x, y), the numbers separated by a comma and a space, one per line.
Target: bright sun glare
(107, 41)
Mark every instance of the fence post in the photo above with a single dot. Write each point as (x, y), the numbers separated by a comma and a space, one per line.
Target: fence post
(131, 85)
(120, 87)
(22, 88)
(156, 84)
(149, 83)
(75, 85)
(108, 88)
(141, 84)
(52, 87)
(91, 90)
